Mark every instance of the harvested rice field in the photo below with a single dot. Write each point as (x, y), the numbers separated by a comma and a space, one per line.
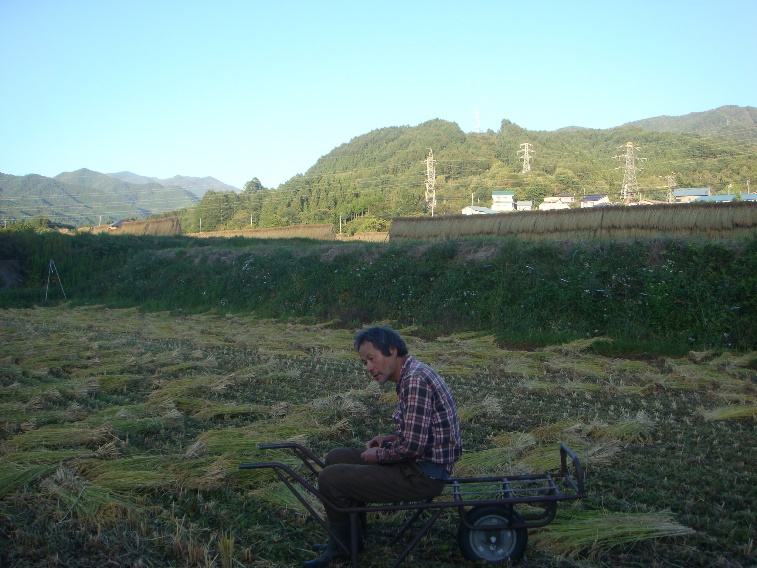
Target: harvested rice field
(121, 433)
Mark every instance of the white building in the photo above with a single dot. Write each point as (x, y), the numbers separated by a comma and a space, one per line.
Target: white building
(524, 205)
(476, 210)
(595, 201)
(552, 204)
(503, 200)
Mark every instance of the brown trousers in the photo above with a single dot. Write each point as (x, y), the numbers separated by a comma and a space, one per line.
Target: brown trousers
(347, 481)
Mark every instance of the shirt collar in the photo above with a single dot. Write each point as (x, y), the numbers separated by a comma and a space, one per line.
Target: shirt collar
(403, 371)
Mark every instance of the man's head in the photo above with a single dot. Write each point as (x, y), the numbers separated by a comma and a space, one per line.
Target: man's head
(383, 353)
(383, 339)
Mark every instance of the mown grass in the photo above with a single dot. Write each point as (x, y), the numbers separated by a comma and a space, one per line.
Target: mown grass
(121, 435)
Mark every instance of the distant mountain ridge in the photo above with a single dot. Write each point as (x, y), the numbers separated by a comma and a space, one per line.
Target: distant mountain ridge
(735, 122)
(198, 186)
(86, 197)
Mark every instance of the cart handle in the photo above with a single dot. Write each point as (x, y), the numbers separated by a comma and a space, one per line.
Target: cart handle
(305, 454)
(578, 483)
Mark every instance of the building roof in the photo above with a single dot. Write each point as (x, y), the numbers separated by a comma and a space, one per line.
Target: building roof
(691, 191)
(716, 198)
(502, 192)
(479, 209)
(727, 198)
(594, 197)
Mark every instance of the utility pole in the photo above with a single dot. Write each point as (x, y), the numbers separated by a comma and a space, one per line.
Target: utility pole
(430, 182)
(630, 185)
(526, 157)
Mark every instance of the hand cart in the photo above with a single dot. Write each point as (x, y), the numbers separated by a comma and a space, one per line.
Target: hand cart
(490, 530)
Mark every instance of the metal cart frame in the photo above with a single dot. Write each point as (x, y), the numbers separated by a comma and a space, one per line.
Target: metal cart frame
(540, 492)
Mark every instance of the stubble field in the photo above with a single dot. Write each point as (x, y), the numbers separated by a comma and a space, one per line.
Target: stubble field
(121, 433)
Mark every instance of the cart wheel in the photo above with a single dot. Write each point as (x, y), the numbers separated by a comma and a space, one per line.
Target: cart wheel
(493, 546)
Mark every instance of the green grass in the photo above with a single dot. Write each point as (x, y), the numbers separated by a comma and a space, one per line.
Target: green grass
(122, 433)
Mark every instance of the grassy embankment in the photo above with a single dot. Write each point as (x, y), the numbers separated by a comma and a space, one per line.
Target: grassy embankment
(653, 295)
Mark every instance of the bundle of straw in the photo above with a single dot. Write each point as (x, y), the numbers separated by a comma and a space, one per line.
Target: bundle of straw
(589, 533)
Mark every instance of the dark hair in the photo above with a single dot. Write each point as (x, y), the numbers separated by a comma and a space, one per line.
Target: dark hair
(383, 339)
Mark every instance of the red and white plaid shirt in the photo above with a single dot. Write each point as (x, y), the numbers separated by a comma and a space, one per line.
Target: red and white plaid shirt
(426, 422)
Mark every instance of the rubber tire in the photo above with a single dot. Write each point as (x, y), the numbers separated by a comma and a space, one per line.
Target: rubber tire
(509, 544)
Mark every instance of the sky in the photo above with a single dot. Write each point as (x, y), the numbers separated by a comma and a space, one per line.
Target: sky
(244, 89)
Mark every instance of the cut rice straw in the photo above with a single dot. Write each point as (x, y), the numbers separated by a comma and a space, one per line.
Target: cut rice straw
(590, 533)
(730, 412)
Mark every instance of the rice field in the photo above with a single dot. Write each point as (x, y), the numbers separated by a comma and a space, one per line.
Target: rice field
(121, 433)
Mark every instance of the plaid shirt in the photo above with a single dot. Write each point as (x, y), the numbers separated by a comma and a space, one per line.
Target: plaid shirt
(426, 422)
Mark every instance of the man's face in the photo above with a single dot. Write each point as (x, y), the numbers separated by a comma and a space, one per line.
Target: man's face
(382, 367)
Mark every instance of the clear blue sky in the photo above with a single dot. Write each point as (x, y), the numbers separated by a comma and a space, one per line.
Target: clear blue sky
(243, 89)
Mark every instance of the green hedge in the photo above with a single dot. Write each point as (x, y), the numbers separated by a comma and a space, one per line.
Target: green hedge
(663, 294)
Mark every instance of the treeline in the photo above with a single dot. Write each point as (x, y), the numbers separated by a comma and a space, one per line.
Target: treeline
(363, 184)
(656, 295)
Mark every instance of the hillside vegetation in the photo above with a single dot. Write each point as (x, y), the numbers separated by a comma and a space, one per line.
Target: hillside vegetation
(380, 175)
(85, 197)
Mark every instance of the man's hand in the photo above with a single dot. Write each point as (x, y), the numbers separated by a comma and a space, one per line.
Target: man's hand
(370, 455)
(378, 440)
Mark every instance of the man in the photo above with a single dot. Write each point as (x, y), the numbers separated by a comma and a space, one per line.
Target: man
(409, 465)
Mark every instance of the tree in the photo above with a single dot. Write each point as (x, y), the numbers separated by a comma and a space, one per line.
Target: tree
(215, 209)
(253, 185)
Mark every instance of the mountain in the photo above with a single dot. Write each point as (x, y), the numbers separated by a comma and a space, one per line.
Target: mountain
(85, 197)
(198, 186)
(364, 183)
(734, 122)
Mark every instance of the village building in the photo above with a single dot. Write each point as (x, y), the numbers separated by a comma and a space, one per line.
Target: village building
(566, 198)
(552, 204)
(503, 200)
(524, 205)
(726, 198)
(476, 210)
(689, 194)
(595, 201)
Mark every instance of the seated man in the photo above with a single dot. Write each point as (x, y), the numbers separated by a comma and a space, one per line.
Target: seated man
(409, 465)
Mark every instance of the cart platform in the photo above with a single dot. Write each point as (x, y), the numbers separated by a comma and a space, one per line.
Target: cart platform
(491, 529)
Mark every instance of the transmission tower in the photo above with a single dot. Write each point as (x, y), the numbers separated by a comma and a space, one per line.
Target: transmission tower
(630, 185)
(670, 185)
(430, 182)
(526, 157)
(477, 121)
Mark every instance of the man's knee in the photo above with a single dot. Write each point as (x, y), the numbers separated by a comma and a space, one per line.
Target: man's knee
(343, 455)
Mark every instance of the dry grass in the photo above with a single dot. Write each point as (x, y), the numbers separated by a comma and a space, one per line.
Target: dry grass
(162, 409)
(592, 533)
(731, 221)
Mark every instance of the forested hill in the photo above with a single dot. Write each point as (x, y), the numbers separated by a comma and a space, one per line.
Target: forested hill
(84, 197)
(734, 122)
(367, 181)
(198, 186)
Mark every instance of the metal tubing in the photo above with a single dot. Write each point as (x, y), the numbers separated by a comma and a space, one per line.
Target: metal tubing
(537, 490)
